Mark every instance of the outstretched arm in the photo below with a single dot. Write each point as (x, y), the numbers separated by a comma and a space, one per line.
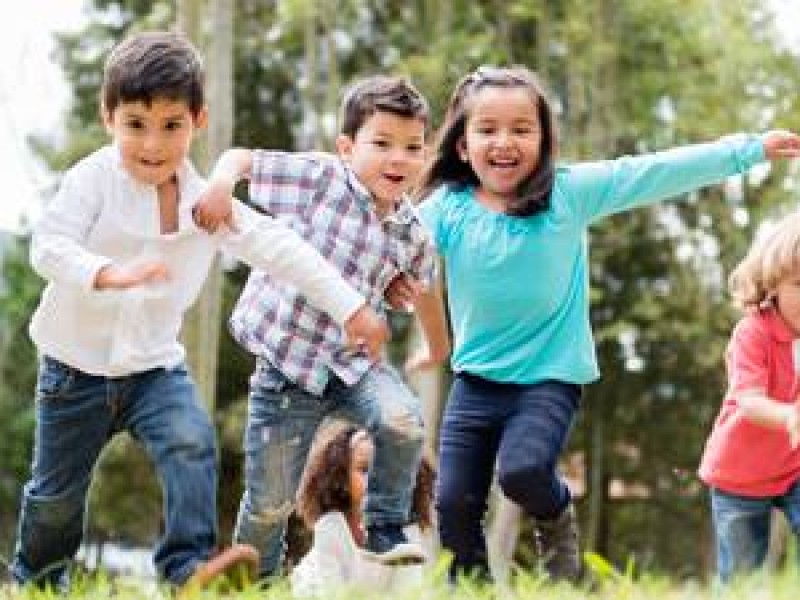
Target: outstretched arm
(594, 190)
(268, 244)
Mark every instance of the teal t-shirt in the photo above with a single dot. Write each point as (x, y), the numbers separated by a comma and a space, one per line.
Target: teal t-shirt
(518, 286)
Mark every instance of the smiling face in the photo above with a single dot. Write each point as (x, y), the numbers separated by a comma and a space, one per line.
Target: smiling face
(386, 154)
(502, 142)
(154, 139)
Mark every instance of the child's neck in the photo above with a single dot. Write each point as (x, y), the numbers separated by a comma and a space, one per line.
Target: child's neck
(356, 524)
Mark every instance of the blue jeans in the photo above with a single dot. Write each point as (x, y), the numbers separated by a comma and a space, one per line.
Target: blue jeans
(521, 428)
(76, 416)
(281, 425)
(742, 528)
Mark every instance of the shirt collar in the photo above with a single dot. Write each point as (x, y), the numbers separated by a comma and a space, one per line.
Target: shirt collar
(778, 328)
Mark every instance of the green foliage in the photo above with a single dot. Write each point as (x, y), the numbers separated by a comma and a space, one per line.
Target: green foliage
(19, 291)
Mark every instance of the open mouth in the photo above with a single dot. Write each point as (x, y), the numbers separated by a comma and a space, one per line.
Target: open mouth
(151, 163)
(395, 178)
(503, 163)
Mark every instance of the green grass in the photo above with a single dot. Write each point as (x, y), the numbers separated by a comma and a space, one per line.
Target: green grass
(607, 584)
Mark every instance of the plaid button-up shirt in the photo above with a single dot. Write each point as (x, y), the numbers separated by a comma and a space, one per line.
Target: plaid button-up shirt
(321, 198)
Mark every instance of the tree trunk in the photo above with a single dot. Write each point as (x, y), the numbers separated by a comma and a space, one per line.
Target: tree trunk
(201, 327)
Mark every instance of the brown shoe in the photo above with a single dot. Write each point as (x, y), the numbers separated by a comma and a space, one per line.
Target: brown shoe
(236, 565)
(558, 547)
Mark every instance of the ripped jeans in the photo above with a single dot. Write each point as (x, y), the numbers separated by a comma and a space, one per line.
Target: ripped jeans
(281, 424)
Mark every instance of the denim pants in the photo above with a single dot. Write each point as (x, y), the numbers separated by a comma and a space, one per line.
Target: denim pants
(742, 528)
(281, 424)
(76, 415)
(520, 428)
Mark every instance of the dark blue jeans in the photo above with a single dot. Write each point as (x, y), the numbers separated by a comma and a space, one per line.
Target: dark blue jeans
(76, 416)
(520, 428)
(742, 528)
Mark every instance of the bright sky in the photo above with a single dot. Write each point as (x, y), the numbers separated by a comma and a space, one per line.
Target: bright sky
(33, 92)
(32, 96)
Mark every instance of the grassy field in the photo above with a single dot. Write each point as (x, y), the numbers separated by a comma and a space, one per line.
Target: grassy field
(608, 584)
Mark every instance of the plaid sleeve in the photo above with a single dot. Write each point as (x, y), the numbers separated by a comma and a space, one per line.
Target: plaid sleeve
(423, 261)
(283, 182)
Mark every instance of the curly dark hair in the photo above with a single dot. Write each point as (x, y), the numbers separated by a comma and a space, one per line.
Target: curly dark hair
(422, 500)
(325, 484)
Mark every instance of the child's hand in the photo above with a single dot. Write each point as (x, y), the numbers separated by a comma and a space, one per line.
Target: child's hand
(403, 291)
(781, 144)
(215, 207)
(367, 331)
(122, 277)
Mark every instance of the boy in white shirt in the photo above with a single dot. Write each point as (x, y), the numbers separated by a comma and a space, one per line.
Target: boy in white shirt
(124, 261)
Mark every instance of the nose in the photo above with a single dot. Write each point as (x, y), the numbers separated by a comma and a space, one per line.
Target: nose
(502, 138)
(151, 140)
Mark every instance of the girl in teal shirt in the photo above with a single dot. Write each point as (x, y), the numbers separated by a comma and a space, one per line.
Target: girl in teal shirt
(511, 227)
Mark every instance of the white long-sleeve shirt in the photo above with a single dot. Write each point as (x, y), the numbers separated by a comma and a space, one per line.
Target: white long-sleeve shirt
(335, 561)
(100, 216)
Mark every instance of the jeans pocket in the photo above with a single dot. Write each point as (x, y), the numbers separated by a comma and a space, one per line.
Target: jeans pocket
(55, 379)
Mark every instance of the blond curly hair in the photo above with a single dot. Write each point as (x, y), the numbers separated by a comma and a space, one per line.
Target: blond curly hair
(771, 257)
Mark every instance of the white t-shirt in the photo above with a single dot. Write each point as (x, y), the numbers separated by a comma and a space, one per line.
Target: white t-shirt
(100, 216)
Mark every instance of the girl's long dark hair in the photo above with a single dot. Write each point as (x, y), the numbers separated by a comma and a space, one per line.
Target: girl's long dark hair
(446, 166)
(325, 484)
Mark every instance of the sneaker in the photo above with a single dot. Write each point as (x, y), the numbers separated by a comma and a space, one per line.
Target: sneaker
(382, 538)
(558, 547)
(400, 555)
(237, 565)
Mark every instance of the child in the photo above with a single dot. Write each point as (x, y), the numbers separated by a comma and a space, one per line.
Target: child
(330, 501)
(751, 461)
(352, 209)
(124, 261)
(512, 230)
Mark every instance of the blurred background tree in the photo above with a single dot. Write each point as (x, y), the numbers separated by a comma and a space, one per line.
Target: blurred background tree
(626, 76)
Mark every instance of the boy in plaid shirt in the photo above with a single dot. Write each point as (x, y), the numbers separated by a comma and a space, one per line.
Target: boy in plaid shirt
(352, 208)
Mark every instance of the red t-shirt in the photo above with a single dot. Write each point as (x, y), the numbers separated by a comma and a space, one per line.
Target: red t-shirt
(742, 457)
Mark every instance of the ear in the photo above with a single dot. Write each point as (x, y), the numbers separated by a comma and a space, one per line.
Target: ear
(201, 118)
(107, 117)
(344, 147)
(461, 148)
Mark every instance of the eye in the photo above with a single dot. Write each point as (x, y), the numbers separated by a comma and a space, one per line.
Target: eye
(134, 124)
(380, 143)
(414, 148)
(173, 125)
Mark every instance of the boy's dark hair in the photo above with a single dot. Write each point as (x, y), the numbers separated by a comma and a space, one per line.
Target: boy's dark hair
(446, 166)
(325, 484)
(153, 65)
(380, 93)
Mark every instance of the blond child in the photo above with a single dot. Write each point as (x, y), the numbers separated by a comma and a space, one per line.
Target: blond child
(751, 461)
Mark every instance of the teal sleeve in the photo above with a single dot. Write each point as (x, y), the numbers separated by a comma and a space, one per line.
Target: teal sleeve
(430, 212)
(594, 190)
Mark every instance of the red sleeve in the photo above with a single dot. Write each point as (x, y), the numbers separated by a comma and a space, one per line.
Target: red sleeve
(746, 357)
